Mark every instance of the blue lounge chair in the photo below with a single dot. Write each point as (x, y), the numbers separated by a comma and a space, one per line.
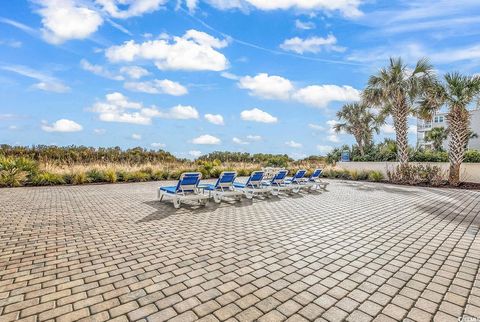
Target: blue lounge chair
(253, 186)
(277, 184)
(297, 181)
(223, 187)
(186, 189)
(314, 182)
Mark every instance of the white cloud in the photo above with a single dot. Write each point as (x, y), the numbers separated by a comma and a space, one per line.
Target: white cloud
(311, 45)
(117, 108)
(348, 8)
(46, 82)
(157, 86)
(99, 131)
(195, 153)
(254, 137)
(265, 86)
(195, 51)
(293, 144)
(324, 149)
(63, 20)
(228, 75)
(304, 25)
(157, 145)
(11, 43)
(321, 95)
(134, 72)
(387, 129)
(133, 7)
(214, 119)
(333, 138)
(316, 127)
(191, 5)
(180, 112)
(257, 115)
(62, 125)
(239, 141)
(99, 70)
(206, 139)
(136, 136)
(277, 87)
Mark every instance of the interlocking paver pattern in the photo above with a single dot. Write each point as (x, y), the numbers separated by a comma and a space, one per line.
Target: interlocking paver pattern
(357, 252)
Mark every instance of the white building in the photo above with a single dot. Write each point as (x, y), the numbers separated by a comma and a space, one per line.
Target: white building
(440, 120)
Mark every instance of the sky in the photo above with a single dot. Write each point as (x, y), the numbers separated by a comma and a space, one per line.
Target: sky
(196, 76)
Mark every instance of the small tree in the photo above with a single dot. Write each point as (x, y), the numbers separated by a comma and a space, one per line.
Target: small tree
(457, 92)
(437, 135)
(357, 120)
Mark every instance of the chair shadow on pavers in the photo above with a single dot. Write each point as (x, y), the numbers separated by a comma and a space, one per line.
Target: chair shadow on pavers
(165, 210)
(372, 187)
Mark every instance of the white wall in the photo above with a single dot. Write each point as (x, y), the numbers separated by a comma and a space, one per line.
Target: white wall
(469, 172)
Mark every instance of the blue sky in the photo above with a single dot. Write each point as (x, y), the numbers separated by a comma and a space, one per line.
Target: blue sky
(194, 76)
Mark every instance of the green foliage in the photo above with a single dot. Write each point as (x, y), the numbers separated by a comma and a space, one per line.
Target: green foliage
(472, 156)
(375, 176)
(48, 179)
(274, 160)
(215, 172)
(15, 172)
(429, 156)
(82, 154)
(110, 175)
(79, 178)
(137, 176)
(95, 175)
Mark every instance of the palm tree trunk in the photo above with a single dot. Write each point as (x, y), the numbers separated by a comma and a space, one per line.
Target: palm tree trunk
(458, 122)
(400, 122)
(358, 138)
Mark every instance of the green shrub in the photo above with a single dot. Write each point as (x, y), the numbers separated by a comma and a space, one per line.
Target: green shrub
(160, 175)
(376, 176)
(354, 175)
(472, 156)
(15, 172)
(429, 156)
(137, 176)
(79, 178)
(344, 174)
(363, 175)
(96, 175)
(110, 175)
(122, 175)
(175, 175)
(215, 173)
(243, 172)
(48, 179)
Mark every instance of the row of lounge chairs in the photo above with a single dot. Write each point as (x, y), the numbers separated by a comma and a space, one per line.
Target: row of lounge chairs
(189, 187)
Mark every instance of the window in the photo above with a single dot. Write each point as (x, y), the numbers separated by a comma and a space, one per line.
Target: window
(438, 119)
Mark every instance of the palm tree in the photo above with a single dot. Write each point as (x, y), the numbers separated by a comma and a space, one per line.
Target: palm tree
(358, 121)
(437, 135)
(457, 93)
(394, 90)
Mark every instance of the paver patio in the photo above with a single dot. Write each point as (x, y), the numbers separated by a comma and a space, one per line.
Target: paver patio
(358, 252)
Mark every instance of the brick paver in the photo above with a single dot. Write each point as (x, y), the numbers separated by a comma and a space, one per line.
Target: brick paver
(357, 252)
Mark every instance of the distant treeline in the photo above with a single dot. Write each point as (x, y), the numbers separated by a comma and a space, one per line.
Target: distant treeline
(83, 154)
(226, 156)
